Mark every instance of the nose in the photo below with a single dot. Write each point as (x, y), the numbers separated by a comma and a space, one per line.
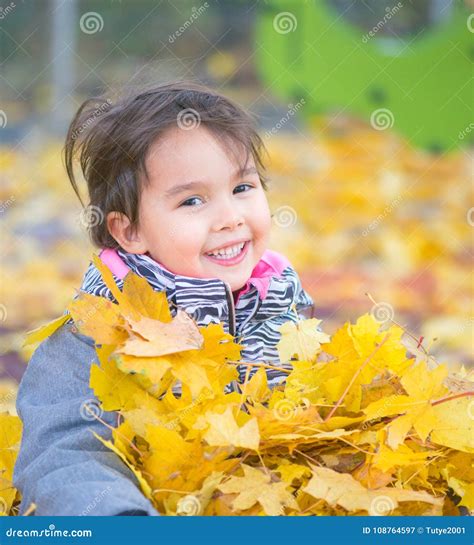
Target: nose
(229, 216)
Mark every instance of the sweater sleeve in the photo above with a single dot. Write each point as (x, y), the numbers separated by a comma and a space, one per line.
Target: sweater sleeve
(62, 467)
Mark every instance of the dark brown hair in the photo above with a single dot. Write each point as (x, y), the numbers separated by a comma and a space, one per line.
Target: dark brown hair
(111, 140)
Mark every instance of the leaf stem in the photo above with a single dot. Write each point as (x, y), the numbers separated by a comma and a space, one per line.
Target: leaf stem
(356, 374)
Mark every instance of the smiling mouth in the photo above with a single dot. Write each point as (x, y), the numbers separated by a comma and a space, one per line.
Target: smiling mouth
(230, 256)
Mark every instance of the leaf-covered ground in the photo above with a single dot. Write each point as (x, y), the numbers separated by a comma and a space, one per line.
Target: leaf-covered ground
(361, 425)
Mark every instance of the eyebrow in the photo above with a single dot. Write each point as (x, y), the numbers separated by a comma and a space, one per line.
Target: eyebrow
(181, 188)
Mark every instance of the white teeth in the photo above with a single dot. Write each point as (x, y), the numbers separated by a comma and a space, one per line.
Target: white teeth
(228, 253)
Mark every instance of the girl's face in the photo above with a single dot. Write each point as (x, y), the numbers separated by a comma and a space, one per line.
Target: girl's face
(198, 202)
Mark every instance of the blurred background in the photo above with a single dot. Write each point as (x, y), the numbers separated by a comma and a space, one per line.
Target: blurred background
(365, 108)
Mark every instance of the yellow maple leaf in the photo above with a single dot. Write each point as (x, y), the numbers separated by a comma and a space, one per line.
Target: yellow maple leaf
(302, 339)
(422, 386)
(342, 489)
(224, 431)
(256, 487)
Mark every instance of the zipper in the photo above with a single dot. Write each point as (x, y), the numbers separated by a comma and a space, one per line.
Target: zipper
(232, 326)
(231, 306)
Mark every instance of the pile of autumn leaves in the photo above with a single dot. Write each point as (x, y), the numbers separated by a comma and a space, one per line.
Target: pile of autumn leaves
(359, 427)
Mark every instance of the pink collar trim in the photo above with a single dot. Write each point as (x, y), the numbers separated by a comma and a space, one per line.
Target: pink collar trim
(271, 264)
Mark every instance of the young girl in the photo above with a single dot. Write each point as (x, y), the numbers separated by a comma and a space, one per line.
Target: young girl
(177, 195)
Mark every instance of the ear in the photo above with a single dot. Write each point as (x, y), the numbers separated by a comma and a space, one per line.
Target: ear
(120, 228)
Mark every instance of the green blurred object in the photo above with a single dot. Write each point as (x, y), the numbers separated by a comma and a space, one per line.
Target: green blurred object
(421, 85)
